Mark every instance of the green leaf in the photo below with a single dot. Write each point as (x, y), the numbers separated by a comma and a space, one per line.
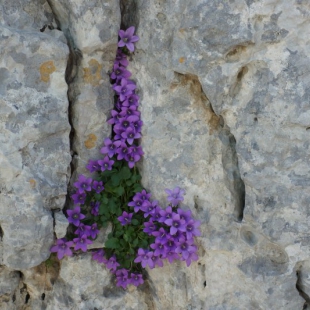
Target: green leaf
(112, 243)
(103, 210)
(125, 173)
(137, 187)
(135, 222)
(115, 179)
(135, 242)
(119, 191)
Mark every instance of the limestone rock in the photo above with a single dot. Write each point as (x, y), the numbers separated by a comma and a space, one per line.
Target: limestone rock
(224, 89)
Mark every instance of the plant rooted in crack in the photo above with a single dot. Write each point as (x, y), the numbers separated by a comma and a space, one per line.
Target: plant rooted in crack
(143, 233)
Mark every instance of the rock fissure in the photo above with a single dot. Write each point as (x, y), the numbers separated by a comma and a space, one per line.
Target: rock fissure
(233, 180)
(72, 68)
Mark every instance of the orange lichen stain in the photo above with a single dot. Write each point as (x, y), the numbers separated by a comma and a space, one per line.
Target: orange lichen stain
(92, 74)
(32, 183)
(182, 30)
(181, 60)
(91, 141)
(46, 69)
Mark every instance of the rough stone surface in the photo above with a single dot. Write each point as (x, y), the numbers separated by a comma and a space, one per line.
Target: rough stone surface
(34, 141)
(224, 89)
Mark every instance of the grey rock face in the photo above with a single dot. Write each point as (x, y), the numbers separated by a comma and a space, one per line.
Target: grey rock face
(224, 89)
(34, 143)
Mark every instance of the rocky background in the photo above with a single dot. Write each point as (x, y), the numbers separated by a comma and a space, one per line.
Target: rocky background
(225, 88)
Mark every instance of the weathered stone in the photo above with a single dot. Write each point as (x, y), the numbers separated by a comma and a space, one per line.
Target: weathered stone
(61, 225)
(34, 144)
(224, 89)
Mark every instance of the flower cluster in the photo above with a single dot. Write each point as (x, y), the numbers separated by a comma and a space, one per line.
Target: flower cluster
(143, 233)
(173, 228)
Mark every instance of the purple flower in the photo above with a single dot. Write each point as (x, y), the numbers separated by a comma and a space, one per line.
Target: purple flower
(149, 208)
(81, 243)
(75, 216)
(157, 261)
(145, 258)
(132, 159)
(159, 248)
(83, 230)
(110, 147)
(78, 198)
(135, 150)
(94, 231)
(127, 38)
(129, 134)
(125, 218)
(191, 229)
(170, 245)
(161, 235)
(136, 203)
(191, 257)
(136, 279)
(133, 99)
(125, 122)
(83, 184)
(122, 278)
(128, 111)
(122, 151)
(95, 208)
(112, 264)
(106, 164)
(62, 248)
(98, 186)
(119, 73)
(185, 247)
(149, 227)
(93, 166)
(165, 214)
(99, 256)
(156, 215)
(172, 256)
(124, 89)
(176, 224)
(175, 195)
(185, 215)
(115, 117)
(121, 58)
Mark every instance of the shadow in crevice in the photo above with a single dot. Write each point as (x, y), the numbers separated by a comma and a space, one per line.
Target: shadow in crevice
(302, 271)
(129, 14)
(233, 179)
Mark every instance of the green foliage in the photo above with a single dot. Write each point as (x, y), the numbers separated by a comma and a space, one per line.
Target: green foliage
(121, 184)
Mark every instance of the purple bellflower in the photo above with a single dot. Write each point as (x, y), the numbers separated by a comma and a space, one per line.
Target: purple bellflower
(119, 73)
(78, 198)
(175, 195)
(125, 218)
(136, 279)
(112, 264)
(106, 163)
(176, 224)
(124, 89)
(75, 216)
(145, 258)
(99, 256)
(121, 58)
(93, 166)
(81, 243)
(62, 248)
(110, 147)
(128, 38)
(83, 230)
(83, 184)
(98, 186)
(95, 208)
